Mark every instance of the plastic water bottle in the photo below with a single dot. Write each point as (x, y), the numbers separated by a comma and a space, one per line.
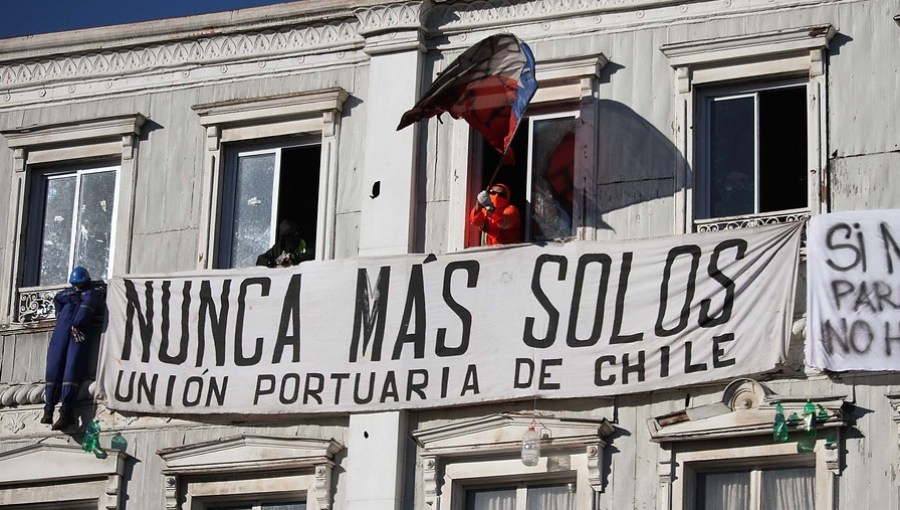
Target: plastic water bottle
(779, 428)
(531, 447)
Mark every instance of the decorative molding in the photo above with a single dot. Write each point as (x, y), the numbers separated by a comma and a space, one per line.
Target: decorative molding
(36, 305)
(25, 394)
(747, 408)
(473, 14)
(269, 109)
(494, 436)
(393, 27)
(171, 492)
(699, 436)
(393, 17)
(665, 471)
(754, 220)
(316, 113)
(200, 51)
(60, 472)
(245, 454)
(75, 133)
(323, 486)
(894, 399)
(724, 58)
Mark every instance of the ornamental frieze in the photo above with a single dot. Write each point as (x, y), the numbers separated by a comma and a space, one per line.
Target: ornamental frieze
(174, 54)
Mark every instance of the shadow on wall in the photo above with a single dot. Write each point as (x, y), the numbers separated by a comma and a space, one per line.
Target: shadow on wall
(637, 164)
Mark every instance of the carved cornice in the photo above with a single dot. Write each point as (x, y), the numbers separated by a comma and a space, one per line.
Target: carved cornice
(200, 51)
(399, 16)
(393, 27)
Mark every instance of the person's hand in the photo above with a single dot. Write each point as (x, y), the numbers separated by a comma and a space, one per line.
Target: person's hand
(79, 336)
(484, 200)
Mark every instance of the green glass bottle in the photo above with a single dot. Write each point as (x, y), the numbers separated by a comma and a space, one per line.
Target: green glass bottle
(779, 428)
(808, 442)
(809, 420)
(118, 443)
(91, 437)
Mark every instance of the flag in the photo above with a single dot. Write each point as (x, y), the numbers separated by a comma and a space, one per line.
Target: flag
(489, 85)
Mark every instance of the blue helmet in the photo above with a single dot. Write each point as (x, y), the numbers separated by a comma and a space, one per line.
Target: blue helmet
(79, 275)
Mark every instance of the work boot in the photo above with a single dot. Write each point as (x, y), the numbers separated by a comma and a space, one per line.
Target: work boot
(47, 418)
(64, 421)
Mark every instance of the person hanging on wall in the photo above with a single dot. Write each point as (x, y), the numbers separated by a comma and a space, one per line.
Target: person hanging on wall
(289, 248)
(67, 354)
(496, 217)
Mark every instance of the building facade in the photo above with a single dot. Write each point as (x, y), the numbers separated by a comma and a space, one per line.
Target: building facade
(178, 145)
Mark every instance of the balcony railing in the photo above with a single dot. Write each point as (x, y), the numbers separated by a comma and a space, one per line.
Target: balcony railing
(36, 304)
(754, 220)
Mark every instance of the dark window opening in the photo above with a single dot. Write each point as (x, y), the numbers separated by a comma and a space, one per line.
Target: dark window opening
(263, 186)
(757, 150)
(539, 170)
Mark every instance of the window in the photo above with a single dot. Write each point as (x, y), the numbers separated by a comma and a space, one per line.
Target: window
(55, 475)
(74, 205)
(476, 464)
(250, 473)
(540, 172)
(752, 126)
(262, 506)
(757, 489)
(71, 223)
(753, 151)
(263, 186)
(522, 496)
(269, 159)
(545, 176)
(721, 456)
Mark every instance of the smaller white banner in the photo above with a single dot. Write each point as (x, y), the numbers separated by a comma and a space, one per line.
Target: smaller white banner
(854, 291)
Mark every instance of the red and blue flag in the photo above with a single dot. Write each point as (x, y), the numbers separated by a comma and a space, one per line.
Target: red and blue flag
(489, 85)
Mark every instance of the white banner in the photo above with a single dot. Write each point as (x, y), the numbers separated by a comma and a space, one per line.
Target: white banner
(854, 291)
(570, 320)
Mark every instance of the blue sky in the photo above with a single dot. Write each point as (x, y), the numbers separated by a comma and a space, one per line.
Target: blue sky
(26, 17)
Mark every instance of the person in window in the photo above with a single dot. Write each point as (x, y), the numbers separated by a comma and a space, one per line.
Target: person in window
(67, 354)
(289, 248)
(494, 215)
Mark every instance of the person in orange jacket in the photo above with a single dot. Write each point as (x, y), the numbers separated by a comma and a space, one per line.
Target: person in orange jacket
(494, 215)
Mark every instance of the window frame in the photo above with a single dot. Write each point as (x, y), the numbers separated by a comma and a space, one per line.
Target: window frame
(238, 468)
(569, 83)
(266, 120)
(92, 140)
(229, 180)
(564, 113)
(702, 202)
(36, 210)
(54, 475)
(791, 53)
(737, 432)
(486, 452)
(521, 482)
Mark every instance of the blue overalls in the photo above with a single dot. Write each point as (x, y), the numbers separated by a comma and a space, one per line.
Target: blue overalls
(66, 356)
